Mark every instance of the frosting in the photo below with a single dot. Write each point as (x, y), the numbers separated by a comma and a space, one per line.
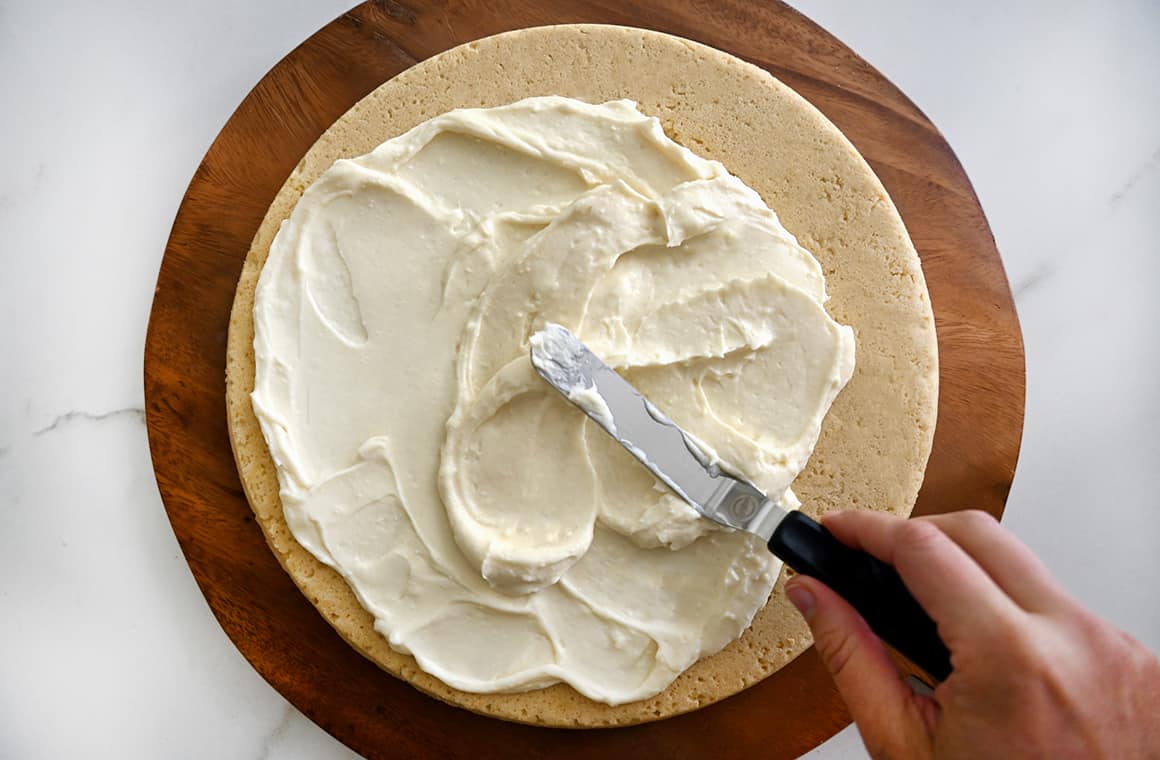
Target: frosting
(491, 529)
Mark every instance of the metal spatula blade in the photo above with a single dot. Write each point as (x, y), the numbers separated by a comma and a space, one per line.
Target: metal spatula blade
(649, 435)
(673, 456)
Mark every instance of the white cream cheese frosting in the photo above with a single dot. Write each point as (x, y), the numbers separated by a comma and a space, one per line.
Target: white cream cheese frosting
(492, 530)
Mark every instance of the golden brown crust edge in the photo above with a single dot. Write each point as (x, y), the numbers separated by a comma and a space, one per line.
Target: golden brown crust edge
(877, 437)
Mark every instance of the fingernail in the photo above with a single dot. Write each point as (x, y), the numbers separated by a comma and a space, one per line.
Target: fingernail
(802, 598)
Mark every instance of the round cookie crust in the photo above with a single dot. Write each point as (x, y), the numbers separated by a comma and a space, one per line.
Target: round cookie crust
(876, 439)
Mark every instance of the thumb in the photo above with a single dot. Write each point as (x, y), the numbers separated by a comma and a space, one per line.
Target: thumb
(881, 703)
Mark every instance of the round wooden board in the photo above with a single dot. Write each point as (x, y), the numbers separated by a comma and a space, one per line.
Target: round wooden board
(980, 415)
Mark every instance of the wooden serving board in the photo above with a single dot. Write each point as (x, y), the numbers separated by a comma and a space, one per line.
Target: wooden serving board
(980, 414)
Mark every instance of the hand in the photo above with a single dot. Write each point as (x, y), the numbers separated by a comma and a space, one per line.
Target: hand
(1035, 674)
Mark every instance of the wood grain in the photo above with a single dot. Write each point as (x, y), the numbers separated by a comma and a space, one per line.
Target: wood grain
(981, 362)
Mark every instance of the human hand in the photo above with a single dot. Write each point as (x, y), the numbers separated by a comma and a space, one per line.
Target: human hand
(1035, 674)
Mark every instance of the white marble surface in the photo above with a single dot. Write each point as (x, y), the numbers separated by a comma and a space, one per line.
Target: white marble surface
(106, 646)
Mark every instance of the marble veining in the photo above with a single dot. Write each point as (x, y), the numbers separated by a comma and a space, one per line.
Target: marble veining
(1052, 110)
(1032, 279)
(1150, 166)
(68, 418)
(277, 734)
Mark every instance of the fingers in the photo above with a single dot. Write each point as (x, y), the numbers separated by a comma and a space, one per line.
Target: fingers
(1011, 565)
(951, 586)
(883, 706)
(1005, 558)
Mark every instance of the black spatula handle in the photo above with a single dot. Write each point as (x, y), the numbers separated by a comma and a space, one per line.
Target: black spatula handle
(870, 585)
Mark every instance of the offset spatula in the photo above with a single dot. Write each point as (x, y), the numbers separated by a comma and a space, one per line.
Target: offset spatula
(868, 584)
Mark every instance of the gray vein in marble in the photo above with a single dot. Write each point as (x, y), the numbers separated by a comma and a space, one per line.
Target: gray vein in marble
(1149, 166)
(69, 418)
(1033, 279)
(277, 733)
(1045, 269)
